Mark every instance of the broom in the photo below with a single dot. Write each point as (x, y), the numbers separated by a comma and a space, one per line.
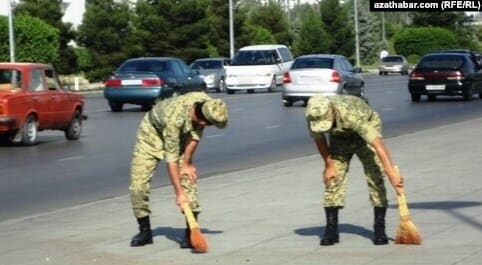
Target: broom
(197, 239)
(407, 233)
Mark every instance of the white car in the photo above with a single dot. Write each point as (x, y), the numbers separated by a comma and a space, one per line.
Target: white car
(258, 67)
(328, 74)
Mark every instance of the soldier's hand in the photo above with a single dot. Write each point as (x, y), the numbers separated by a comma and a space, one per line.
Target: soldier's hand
(181, 199)
(329, 175)
(190, 171)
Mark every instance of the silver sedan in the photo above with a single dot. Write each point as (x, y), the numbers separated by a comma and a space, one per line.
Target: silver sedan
(328, 74)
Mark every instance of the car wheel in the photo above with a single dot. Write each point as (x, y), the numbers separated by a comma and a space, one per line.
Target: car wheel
(115, 106)
(75, 127)
(467, 94)
(288, 103)
(415, 97)
(229, 91)
(29, 131)
(272, 87)
(221, 85)
(432, 97)
(146, 107)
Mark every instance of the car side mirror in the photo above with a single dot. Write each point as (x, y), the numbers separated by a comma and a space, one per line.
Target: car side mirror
(196, 72)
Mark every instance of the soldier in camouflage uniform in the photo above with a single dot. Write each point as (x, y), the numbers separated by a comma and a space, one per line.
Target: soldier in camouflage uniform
(171, 131)
(343, 126)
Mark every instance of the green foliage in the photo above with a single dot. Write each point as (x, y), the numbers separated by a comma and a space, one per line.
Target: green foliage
(107, 32)
(370, 38)
(271, 18)
(312, 38)
(174, 29)
(49, 11)
(338, 25)
(35, 40)
(413, 58)
(420, 41)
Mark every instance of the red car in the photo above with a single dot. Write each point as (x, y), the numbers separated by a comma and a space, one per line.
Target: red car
(32, 100)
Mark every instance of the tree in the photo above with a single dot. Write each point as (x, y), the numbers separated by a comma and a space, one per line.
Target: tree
(35, 40)
(312, 38)
(370, 39)
(272, 18)
(50, 12)
(174, 28)
(108, 34)
(338, 25)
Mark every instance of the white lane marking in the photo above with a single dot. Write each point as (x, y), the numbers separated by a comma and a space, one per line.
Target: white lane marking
(271, 126)
(70, 158)
(215, 135)
(387, 109)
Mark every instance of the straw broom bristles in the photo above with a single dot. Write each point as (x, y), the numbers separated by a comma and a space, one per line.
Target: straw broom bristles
(407, 233)
(197, 239)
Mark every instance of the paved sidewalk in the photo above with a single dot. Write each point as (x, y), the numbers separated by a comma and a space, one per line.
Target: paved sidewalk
(272, 215)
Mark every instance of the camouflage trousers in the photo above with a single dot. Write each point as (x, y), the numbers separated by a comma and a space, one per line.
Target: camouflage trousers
(342, 150)
(143, 166)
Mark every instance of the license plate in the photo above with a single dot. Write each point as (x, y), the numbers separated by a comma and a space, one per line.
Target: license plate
(131, 82)
(435, 87)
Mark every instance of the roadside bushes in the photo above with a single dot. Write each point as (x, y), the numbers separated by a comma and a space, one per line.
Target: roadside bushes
(420, 41)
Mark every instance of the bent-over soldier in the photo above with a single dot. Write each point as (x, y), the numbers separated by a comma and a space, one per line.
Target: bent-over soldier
(171, 131)
(343, 126)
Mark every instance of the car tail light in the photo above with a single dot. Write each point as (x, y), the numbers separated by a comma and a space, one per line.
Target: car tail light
(455, 76)
(152, 82)
(1, 109)
(416, 76)
(112, 82)
(286, 78)
(335, 77)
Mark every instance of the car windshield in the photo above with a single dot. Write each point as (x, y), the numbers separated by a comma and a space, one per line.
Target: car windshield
(392, 59)
(10, 79)
(324, 63)
(441, 62)
(155, 66)
(199, 65)
(260, 57)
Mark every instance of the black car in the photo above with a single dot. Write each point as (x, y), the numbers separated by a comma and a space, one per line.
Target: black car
(141, 81)
(449, 74)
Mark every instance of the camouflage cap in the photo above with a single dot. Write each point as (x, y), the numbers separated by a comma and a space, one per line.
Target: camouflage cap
(319, 114)
(216, 112)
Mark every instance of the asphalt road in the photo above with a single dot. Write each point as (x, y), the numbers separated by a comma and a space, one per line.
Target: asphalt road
(56, 173)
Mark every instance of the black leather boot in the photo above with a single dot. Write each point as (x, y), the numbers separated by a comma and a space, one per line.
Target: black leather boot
(144, 236)
(186, 241)
(331, 235)
(380, 237)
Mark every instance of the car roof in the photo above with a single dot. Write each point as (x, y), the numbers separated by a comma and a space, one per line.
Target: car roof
(212, 59)
(22, 64)
(321, 55)
(263, 47)
(152, 58)
(460, 54)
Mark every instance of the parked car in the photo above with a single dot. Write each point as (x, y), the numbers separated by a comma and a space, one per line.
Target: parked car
(32, 100)
(450, 74)
(213, 71)
(328, 74)
(258, 67)
(393, 64)
(142, 81)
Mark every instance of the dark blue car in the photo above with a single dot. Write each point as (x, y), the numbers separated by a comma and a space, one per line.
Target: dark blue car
(142, 81)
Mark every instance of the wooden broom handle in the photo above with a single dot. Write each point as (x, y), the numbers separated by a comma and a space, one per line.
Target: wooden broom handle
(402, 200)
(189, 216)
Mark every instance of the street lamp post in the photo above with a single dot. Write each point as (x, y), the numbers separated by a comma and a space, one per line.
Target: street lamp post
(231, 30)
(357, 41)
(10, 32)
